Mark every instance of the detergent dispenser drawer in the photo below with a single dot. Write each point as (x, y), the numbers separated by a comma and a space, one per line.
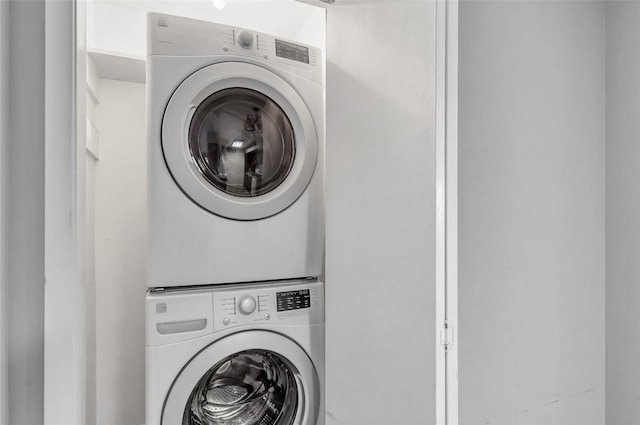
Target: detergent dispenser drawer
(175, 317)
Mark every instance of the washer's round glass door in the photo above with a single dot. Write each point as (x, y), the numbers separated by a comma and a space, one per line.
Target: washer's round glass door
(239, 141)
(247, 378)
(242, 142)
(253, 387)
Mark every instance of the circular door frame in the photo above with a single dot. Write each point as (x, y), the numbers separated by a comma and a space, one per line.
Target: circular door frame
(175, 139)
(302, 368)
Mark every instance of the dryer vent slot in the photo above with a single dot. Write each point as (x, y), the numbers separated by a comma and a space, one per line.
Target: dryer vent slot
(181, 327)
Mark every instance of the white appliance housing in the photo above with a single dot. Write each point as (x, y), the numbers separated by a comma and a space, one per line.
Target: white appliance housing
(201, 337)
(235, 155)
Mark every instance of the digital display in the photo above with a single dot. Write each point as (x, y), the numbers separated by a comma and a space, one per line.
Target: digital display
(293, 300)
(292, 51)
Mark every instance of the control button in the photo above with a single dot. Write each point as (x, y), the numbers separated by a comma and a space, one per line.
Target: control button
(247, 304)
(267, 316)
(226, 321)
(225, 49)
(246, 39)
(266, 57)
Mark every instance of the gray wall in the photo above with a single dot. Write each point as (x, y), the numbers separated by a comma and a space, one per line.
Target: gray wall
(25, 212)
(380, 263)
(531, 213)
(4, 144)
(623, 212)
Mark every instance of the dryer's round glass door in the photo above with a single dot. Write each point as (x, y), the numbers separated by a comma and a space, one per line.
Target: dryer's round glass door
(242, 142)
(239, 141)
(253, 387)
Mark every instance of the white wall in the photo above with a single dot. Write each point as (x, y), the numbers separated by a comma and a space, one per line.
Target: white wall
(623, 212)
(24, 231)
(380, 212)
(531, 213)
(120, 234)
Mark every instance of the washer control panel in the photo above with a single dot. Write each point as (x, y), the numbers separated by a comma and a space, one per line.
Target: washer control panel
(293, 304)
(180, 315)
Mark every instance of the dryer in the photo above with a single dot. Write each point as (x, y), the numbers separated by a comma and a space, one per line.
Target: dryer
(244, 354)
(235, 155)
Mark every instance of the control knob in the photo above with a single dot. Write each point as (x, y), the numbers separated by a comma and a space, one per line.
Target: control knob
(247, 304)
(246, 39)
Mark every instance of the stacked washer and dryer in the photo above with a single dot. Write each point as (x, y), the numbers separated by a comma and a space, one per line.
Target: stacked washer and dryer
(234, 308)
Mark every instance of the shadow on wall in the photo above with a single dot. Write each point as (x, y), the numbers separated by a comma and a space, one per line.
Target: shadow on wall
(120, 234)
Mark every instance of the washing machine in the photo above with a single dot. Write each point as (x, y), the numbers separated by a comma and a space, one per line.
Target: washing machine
(235, 155)
(241, 355)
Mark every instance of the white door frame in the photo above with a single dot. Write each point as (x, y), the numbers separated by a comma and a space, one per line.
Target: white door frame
(446, 212)
(65, 128)
(452, 209)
